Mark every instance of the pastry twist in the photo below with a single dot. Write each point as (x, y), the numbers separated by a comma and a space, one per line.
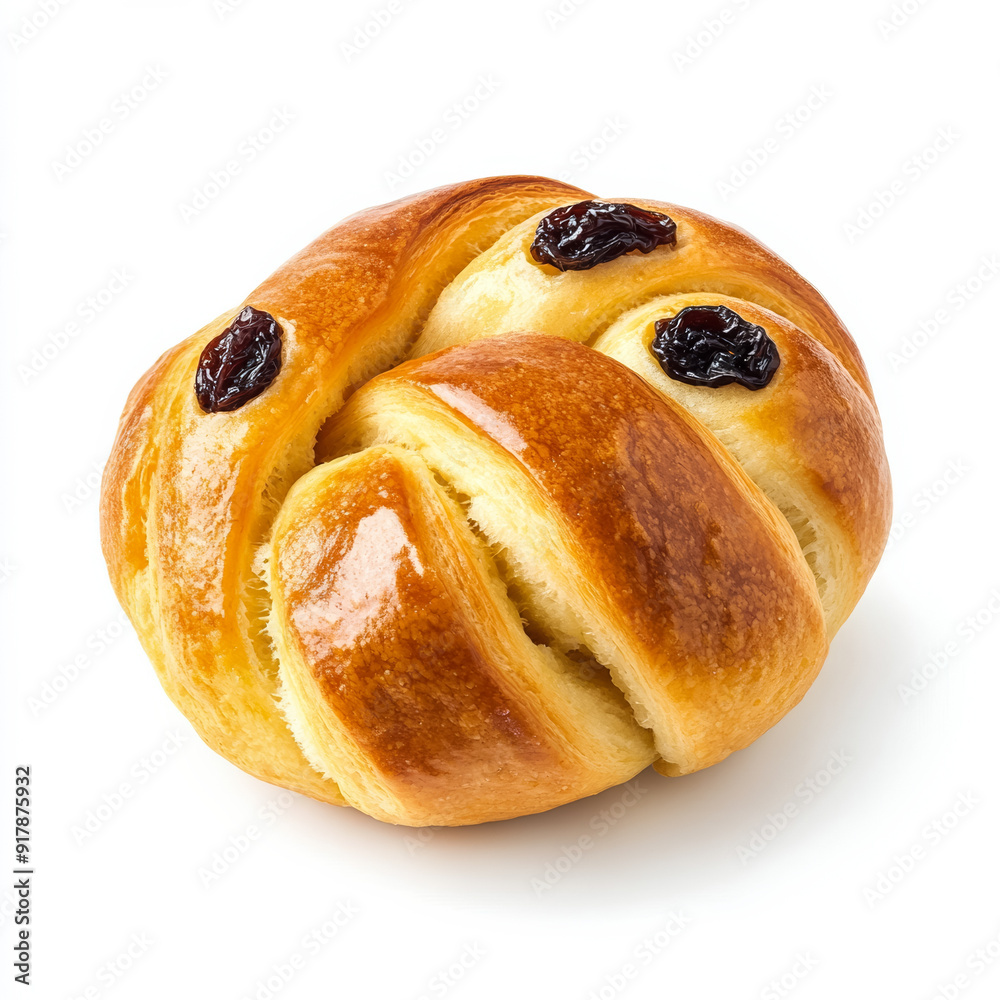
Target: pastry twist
(386, 552)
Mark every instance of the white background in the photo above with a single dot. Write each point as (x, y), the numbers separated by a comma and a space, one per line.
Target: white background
(598, 96)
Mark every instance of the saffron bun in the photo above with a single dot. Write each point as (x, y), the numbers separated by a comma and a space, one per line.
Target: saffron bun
(427, 525)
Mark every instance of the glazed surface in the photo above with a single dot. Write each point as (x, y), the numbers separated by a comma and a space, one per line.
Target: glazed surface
(445, 570)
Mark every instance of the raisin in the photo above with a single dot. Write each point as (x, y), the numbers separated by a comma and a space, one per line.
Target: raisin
(240, 363)
(714, 346)
(577, 237)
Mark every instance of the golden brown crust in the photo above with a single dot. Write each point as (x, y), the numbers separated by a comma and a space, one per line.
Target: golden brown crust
(123, 494)
(811, 439)
(347, 306)
(189, 499)
(702, 583)
(403, 664)
(504, 289)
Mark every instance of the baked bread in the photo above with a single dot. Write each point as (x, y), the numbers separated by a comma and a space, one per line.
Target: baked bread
(495, 495)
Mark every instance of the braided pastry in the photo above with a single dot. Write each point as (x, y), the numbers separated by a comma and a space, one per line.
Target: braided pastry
(386, 550)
